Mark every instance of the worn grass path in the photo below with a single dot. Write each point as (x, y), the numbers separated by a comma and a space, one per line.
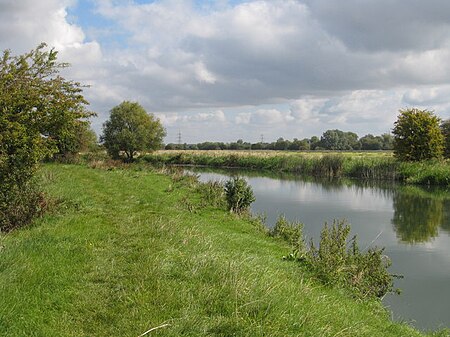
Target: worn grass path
(129, 251)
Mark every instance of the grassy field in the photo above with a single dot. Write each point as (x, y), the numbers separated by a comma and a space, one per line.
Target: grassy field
(375, 165)
(126, 251)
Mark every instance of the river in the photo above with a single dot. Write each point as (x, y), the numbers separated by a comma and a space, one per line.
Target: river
(412, 223)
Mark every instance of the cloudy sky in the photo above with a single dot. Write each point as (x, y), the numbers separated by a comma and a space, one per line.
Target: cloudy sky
(228, 69)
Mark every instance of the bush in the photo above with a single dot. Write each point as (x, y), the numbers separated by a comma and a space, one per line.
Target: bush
(212, 193)
(239, 195)
(292, 233)
(39, 112)
(19, 205)
(338, 260)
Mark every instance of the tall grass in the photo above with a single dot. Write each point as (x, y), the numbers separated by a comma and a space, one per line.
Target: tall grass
(371, 166)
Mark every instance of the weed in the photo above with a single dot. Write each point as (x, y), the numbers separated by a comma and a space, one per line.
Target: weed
(19, 205)
(239, 195)
(338, 260)
(292, 233)
(212, 193)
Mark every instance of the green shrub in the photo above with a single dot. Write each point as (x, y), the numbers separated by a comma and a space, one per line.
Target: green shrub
(212, 193)
(291, 232)
(338, 260)
(239, 195)
(19, 205)
(40, 114)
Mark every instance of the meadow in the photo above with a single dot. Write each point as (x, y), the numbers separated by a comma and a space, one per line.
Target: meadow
(132, 252)
(376, 165)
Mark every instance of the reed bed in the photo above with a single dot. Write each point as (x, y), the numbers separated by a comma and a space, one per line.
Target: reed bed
(361, 165)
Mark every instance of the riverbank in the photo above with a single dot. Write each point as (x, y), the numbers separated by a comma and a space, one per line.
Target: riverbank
(126, 251)
(362, 165)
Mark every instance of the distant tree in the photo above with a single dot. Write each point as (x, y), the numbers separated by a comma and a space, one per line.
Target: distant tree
(388, 141)
(297, 145)
(371, 142)
(210, 146)
(170, 146)
(417, 135)
(192, 147)
(339, 140)
(131, 129)
(281, 144)
(85, 138)
(445, 128)
(314, 142)
(257, 146)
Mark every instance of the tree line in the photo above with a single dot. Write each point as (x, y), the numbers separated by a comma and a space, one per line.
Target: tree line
(330, 140)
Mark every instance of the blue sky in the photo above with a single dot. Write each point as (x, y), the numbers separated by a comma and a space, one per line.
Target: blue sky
(224, 70)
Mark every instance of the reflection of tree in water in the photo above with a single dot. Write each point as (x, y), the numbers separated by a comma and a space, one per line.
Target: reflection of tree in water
(446, 217)
(417, 217)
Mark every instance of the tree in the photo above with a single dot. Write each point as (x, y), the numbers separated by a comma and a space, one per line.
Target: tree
(388, 141)
(417, 135)
(37, 110)
(371, 142)
(314, 142)
(85, 138)
(445, 128)
(131, 129)
(339, 140)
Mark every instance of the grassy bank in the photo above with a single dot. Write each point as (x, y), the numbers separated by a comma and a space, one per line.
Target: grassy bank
(127, 251)
(364, 165)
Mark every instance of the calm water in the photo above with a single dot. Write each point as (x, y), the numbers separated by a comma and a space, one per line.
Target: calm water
(412, 223)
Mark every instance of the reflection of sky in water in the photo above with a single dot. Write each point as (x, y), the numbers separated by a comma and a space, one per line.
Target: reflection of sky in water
(425, 263)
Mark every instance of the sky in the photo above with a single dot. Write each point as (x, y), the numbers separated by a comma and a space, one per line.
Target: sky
(222, 70)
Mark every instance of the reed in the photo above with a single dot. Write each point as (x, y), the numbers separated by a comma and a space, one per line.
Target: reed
(370, 165)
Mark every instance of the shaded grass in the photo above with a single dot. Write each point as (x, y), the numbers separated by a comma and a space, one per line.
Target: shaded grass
(363, 165)
(132, 250)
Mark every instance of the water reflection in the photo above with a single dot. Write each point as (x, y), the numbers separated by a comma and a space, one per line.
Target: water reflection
(417, 217)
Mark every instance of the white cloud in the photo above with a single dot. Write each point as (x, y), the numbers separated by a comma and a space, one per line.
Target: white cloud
(287, 68)
(202, 74)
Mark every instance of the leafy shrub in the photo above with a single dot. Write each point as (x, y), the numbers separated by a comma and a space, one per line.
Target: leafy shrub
(336, 263)
(212, 193)
(39, 115)
(291, 232)
(239, 195)
(19, 205)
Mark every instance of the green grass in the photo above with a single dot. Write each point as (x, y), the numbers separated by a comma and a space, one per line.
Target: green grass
(362, 165)
(129, 250)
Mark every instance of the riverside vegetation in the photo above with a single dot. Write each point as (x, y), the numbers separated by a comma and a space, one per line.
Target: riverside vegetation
(129, 250)
(364, 165)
